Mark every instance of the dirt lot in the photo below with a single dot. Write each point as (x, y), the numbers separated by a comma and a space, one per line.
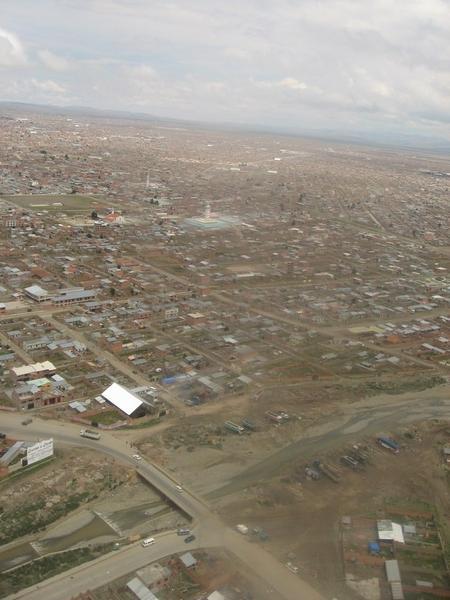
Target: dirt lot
(302, 516)
(200, 442)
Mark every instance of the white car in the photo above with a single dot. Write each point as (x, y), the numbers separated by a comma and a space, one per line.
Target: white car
(179, 488)
(137, 457)
(148, 542)
(292, 567)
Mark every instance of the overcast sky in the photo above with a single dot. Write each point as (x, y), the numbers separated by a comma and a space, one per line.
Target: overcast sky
(349, 65)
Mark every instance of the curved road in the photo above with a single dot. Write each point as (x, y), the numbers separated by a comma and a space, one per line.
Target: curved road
(355, 421)
(212, 531)
(107, 568)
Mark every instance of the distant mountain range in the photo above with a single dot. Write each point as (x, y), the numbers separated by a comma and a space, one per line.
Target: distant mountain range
(407, 141)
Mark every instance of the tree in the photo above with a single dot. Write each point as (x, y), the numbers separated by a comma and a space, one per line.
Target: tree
(94, 215)
(112, 291)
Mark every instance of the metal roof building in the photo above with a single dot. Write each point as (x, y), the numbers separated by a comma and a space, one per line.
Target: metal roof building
(74, 295)
(389, 531)
(392, 570)
(122, 399)
(140, 590)
(37, 293)
(394, 579)
(216, 596)
(188, 560)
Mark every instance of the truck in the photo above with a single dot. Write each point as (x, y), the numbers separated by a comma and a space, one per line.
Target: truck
(389, 444)
(250, 425)
(88, 433)
(273, 416)
(360, 453)
(328, 470)
(351, 462)
(242, 529)
(277, 416)
(260, 534)
(233, 427)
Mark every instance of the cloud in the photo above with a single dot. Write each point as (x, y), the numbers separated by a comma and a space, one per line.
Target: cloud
(12, 53)
(293, 84)
(42, 91)
(52, 61)
(48, 86)
(291, 63)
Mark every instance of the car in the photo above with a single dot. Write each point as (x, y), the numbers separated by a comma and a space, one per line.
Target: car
(179, 488)
(183, 531)
(148, 542)
(27, 421)
(189, 539)
(292, 567)
(137, 457)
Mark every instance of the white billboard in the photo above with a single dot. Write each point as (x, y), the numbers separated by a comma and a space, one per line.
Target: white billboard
(39, 451)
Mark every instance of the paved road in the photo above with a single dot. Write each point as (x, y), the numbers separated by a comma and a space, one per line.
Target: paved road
(359, 419)
(288, 585)
(111, 566)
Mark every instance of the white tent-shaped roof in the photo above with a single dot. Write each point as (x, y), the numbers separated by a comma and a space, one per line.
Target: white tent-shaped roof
(122, 398)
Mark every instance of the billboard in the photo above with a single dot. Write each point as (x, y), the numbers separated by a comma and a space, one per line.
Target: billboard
(39, 451)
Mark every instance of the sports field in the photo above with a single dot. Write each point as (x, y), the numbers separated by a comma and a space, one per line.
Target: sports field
(73, 203)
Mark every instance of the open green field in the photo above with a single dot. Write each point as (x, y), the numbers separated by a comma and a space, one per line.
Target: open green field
(71, 203)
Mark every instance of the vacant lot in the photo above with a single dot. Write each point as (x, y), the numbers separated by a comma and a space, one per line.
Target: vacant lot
(302, 516)
(31, 503)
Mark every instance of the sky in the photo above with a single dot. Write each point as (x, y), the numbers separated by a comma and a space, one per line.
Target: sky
(351, 66)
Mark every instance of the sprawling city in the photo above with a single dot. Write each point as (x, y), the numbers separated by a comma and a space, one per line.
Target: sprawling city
(224, 349)
(236, 345)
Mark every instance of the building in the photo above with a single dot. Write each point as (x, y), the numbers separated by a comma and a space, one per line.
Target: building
(216, 596)
(36, 344)
(195, 318)
(34, 371)
(394, 579)
(61, 297)
(188, 560)
(73, 296)
(140, 590)
(124, 400)
(41, 392)
(446, 453)
(389, 531)
(171, 313)
(37, 293)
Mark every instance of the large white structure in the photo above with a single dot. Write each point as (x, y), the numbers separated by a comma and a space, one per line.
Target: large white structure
(122, 399)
